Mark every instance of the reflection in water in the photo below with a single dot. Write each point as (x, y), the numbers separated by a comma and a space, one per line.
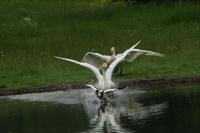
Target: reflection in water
(108, 115)
(131, 110)
(106, 119)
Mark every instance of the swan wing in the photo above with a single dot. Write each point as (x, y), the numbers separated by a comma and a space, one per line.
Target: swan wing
(132, 56)
(135, 45)
(137, 52)
(97, 59)
(117, 61)
(92, 86)
(118, 55)
(94, 59)
(89, 66)
(110, 90)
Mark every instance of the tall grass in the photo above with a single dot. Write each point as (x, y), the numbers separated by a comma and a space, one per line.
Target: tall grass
(33, 31)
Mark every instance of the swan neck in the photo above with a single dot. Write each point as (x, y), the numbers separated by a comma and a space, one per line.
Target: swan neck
(105, 80)
(113, 53)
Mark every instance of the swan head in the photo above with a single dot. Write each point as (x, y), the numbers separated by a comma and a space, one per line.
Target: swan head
(104, 66)
(99, 93)
(112, 50)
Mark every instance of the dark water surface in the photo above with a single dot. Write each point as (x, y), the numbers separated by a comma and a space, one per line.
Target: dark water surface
(139, 110)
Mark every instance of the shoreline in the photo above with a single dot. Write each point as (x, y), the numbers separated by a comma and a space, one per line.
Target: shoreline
(148, 82)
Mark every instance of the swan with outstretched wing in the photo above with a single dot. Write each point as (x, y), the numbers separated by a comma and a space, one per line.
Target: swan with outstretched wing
(105, 85)
(110, 86)
(102, 79)
(97, 59)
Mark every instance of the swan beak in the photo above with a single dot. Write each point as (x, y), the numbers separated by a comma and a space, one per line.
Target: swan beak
(104, 65)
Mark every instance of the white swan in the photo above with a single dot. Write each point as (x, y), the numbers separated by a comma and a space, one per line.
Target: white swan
(97, 59)
(105, 79)
(105, 83)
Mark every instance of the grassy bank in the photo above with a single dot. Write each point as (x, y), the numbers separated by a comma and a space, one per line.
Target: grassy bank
(32, 32)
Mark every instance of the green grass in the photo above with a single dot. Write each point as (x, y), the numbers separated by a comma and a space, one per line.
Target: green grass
(70, 29)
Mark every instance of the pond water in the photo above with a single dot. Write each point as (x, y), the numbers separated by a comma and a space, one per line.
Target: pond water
(132, 110)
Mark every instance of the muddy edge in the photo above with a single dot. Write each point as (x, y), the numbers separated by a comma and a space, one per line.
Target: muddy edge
(155, 82)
